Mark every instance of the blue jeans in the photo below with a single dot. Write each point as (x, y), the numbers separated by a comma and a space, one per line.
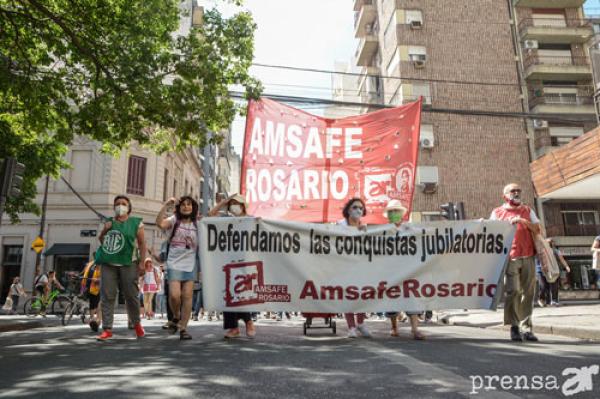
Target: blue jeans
(197, 303)
(161, 303)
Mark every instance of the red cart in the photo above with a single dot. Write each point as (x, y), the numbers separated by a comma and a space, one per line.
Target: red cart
(327, 317)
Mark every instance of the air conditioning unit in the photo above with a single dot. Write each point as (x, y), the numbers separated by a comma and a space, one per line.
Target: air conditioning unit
(540, 124)
(419, 64)
(530, 44)
(426, 143)
(426, 139)
(416, 24)
(427, 178)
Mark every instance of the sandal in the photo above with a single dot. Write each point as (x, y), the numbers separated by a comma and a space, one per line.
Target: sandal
(172, 326)
(232, 333)
(394, 333)
(417, 335)
(184, 335)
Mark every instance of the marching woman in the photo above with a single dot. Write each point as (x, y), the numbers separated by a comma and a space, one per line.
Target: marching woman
(228, 207)
(115, 255)
(353, 211)
(151, 281)
(182, 260)
(394, 212)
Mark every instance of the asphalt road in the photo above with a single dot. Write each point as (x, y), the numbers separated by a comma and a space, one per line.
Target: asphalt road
(282, 363)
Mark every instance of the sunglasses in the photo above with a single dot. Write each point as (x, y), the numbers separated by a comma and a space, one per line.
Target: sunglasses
(357, 207)
(516, 190)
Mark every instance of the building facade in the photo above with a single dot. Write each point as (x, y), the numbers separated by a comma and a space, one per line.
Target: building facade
(464, 68)
(552, 39)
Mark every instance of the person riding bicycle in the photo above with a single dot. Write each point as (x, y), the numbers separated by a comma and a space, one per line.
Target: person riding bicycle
(45, 283)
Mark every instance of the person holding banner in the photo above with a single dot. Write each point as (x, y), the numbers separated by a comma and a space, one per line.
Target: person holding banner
(520, 277)
(182, 260)
(394, 212)
(353, 211)
(228, 207)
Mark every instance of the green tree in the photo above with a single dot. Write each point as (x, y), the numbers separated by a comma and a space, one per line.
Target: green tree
(115, 71)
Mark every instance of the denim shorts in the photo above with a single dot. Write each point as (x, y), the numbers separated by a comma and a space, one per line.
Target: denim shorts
(178, 275)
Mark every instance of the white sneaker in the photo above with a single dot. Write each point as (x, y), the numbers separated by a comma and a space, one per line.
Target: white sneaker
(352, 333)
(363, 331)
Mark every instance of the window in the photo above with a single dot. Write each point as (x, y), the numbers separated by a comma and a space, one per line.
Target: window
(13, 254)
(186, 187)
(175, 193)
(417, 53)
(136, 175)
(432, 217)
(581, 223)
(166, 185)
(561, 135)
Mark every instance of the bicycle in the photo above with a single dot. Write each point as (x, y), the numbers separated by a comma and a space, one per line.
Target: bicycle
(36, 305)
(77, 306)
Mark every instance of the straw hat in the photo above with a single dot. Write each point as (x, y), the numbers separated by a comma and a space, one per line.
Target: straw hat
(239, 198)
(395, 205)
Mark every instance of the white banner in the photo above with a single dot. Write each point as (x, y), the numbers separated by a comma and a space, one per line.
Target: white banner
(251, 264)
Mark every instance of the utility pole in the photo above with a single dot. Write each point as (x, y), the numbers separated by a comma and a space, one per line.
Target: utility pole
(38, 257)
(208, 171)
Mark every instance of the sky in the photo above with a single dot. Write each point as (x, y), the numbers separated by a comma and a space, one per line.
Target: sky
(592, 7)
(299, 33)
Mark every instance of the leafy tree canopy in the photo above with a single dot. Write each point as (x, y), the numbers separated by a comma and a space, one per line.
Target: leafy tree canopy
(116, 71)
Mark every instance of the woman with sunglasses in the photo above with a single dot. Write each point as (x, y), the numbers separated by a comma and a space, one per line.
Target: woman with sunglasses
(353, 211)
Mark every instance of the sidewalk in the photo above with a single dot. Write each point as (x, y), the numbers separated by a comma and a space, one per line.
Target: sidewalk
(21, 322)
(573, 319)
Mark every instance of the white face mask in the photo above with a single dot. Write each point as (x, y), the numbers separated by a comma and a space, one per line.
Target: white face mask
(236, 209)
(121, 210)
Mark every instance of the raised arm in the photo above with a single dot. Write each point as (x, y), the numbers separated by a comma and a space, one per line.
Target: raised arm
(161, 219)
(218, 207)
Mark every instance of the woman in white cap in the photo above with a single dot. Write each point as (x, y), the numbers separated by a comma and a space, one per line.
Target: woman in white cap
(234, 206)
(394, 212)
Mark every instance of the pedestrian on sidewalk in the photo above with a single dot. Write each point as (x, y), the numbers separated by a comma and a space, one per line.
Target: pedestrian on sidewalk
(182, 259)
(115, 256)
(353, 211)
(90, 286)
(549, 290)
(596, 260)
(15, 292)
(520, 274)
(161, 302)
(234, 207)
(151, 284)
(394, 212)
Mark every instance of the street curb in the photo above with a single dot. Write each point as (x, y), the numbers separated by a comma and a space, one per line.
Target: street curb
(20, 326)
(571, 332)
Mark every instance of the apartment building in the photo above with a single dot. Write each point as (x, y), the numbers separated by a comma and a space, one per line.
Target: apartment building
(459, 56)
(552, 38)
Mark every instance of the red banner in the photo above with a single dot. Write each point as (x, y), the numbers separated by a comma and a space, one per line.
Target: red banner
(298, 166)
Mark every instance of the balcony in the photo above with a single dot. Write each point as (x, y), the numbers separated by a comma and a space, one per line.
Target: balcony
(559, 103)
(359, 3)
(582, 230)
(557, 67)
(548, 3)
(551, 30)
(367, 47)
(364, 19)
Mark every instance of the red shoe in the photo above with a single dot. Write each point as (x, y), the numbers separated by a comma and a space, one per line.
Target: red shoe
(105, 336)
(139, 330)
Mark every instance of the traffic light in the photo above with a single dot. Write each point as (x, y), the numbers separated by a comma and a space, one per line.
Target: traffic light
(459, 211)
(12, 178)
(448, 211)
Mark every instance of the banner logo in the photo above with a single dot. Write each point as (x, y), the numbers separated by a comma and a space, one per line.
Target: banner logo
(244, 285)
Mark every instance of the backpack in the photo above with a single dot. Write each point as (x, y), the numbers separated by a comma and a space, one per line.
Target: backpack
(90, 281)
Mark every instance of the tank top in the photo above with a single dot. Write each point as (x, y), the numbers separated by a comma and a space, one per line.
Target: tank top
(119, 243)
